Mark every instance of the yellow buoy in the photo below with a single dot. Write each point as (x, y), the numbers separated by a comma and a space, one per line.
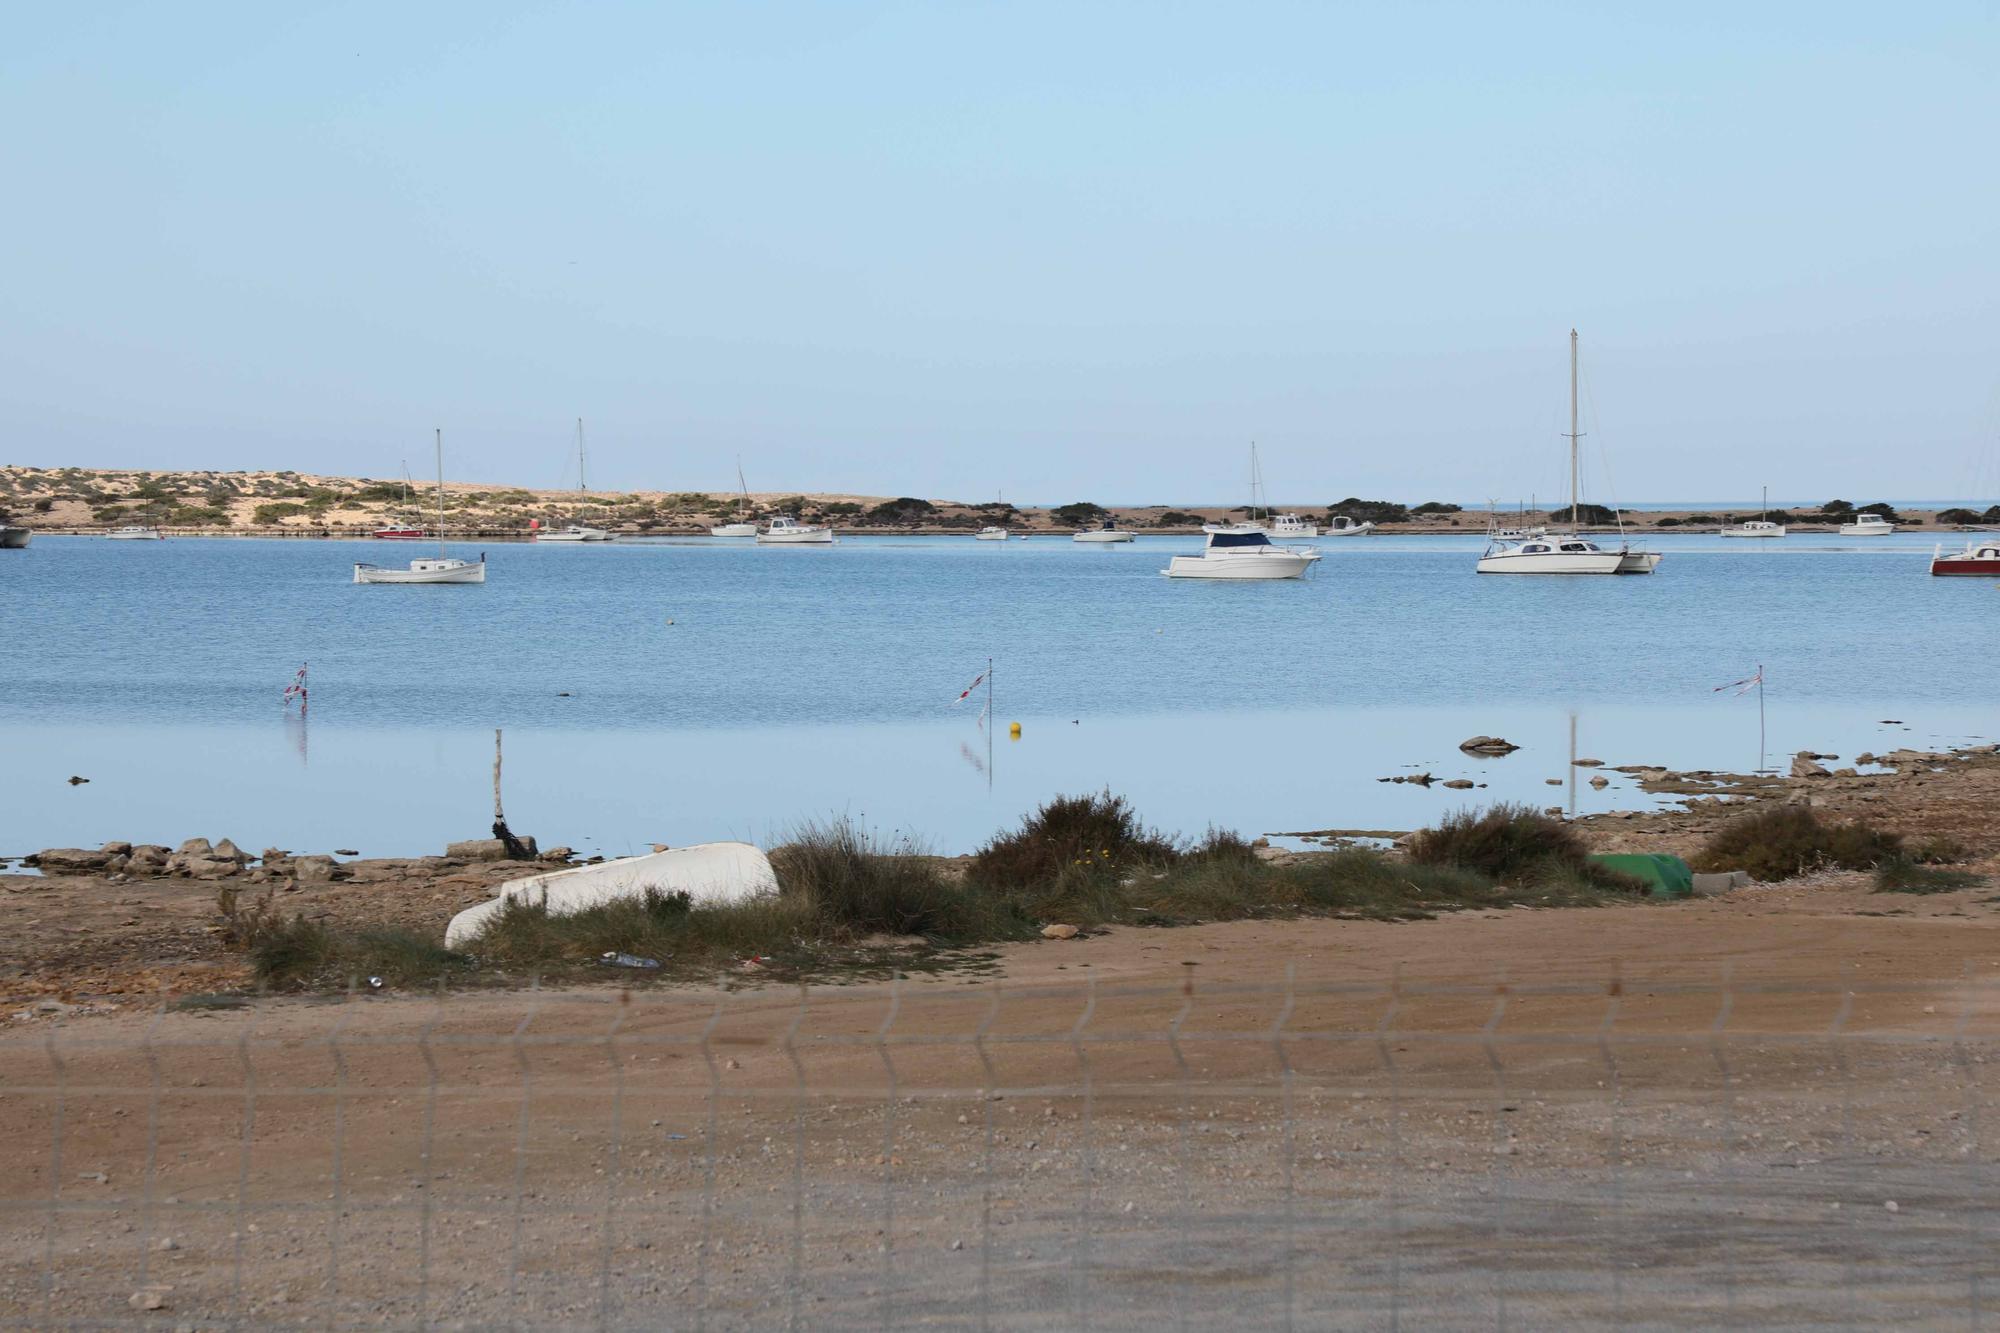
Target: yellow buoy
(1014, 731)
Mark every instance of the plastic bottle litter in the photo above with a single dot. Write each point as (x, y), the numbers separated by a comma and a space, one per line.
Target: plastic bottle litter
(613, 958)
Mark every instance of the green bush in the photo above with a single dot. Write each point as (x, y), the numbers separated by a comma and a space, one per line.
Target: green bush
(903, 509)
(1512, 844)
(1434, 507)
(304, 953)
(1069, 844)
(1078, 514)
(1901, 874)
(1780, 841)
(1175, 518)
(1369, 511)
(267, 514)
(852, 884)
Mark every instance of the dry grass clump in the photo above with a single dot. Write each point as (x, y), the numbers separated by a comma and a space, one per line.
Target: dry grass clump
(1518, 845)
(307, 953)
(1901, 874)
(1779, 841)
(1071, 855)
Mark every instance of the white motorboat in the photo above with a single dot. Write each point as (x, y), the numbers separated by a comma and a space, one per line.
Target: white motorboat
(1979, 559)
(439, 568)
(1293, 526)
(1867, 525)
(1760, 526)
(992, 535)
(742, 527)
(1343, 526)
(787, 531)
(13, 538)
(574, 532)
(1105, 532)
(1570, 553)
(1244, 551)
(135, 535)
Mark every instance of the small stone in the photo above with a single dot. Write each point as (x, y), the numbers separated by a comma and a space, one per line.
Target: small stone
(1892, 1205)
(1059, 931)
(166, 1244)
(150, 1299)
(1600, 782)
(1459, 784)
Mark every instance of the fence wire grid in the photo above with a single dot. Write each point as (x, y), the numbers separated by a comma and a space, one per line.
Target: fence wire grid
(942, 1154)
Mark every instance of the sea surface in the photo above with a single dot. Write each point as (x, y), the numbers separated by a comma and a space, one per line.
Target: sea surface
(679, 691)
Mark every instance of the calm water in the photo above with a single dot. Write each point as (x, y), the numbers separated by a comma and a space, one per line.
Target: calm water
(673, 692)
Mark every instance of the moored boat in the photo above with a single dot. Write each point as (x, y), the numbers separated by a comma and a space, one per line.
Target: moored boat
(1867, 525)
(1294, 526)
(439, 568)
(1242, 552)
(1760, 526)
(992, 535)
(13, 538)
(1343, 526)
(1979, 559)
(742, 527)
(788, 531)
(1107, 531)
(135, 534)
(401, 534)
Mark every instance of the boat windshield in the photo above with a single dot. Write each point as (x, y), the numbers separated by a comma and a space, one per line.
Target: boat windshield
(1222, 540)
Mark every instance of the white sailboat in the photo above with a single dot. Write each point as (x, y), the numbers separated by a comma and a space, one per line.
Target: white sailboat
(991, 534)
(1572, 553)
(1760, 526)
(742, 527)
(576, 532)
(429, 569)
(135, 534)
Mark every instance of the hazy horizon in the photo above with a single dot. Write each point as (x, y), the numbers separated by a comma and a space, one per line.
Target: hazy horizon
(1034, 251)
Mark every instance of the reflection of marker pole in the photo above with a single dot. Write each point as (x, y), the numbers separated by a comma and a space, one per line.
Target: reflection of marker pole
(1760, 717)
(991, 722)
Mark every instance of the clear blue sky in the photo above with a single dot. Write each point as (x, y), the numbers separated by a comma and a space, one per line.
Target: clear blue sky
(1054, 250)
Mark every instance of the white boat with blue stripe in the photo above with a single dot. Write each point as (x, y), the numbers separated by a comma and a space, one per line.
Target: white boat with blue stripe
(1244, 551)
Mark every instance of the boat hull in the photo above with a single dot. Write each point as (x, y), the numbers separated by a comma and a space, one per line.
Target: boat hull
(823, 537)
(1357, 530)
(578, 535)
(136, 535)
(448, 571)
(401, 535)
(1275, 565)
(1102, 538)
(1867, 529)
(1778, 531)
(734, 530)
(1557, 562)
(990, 536)
(1977, 569)
(1638, 562)
(13, 539)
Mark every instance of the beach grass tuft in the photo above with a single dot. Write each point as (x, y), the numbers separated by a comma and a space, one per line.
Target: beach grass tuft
(1780, 841)
(1900, 874)
(306, 953)
(1515, 844)
(1071, 847)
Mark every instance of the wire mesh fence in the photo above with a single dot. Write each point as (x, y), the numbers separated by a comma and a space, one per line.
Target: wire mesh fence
(944, 1154)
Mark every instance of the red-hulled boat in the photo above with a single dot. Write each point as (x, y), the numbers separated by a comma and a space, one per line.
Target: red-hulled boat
(1979, 559)
(400, 534)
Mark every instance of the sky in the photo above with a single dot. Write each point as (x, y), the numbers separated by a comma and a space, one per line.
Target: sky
(1045, 251)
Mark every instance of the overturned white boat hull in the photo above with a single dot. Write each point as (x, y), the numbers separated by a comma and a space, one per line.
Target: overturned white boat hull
(709, 873)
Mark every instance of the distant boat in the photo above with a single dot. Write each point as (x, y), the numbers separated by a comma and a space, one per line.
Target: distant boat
(1760, 526)
(135, 534)
(575, 532)
(1572, 553)
(429, 569)
(742, 527)
(1107, 531)
(788, 531)
(13, 538)
(1242, 552)
(1867, 525)
(1343, 526)
(991, 535)
(401, 534)
(1979, 559)
(1292, 525)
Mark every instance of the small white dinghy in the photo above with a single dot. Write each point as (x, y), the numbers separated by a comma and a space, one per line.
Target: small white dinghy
(709, 873)
(1343, 526)
(439, 568)
(1242, 552)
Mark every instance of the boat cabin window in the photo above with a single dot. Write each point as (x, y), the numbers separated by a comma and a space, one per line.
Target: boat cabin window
(1536, 548)
(1220, 540)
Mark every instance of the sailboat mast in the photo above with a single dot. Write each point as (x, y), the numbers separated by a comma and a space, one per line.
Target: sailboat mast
(582, 477)
(1573, 497)
(439, 436)
(742, 490)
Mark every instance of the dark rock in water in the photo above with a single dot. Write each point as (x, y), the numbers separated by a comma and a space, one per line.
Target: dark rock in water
(1588, 763)
(1460, 784)
(557, 854)
(69, 860)
(76, 781)
(1493, 745)
(345, 851)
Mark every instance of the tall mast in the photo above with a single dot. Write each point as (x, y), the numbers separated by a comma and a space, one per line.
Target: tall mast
(440, 459)
(742, 490)
(1572, 433)
(582, 479)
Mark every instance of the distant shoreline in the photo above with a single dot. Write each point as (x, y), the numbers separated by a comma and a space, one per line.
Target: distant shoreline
(86, 501)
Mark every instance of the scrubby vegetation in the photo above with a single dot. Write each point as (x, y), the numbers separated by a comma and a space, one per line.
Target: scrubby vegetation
(1902, 874)
(1514, 844)
(849, 901)
(1779, 841)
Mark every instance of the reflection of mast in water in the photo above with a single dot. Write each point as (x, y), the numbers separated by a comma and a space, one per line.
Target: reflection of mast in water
(1572, 763)
(295, 726)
